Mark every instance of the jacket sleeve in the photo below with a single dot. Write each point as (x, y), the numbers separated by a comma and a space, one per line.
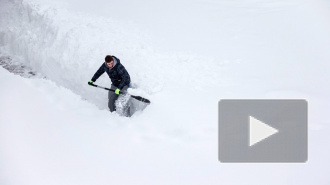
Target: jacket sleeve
(125, 78)
(98, 73)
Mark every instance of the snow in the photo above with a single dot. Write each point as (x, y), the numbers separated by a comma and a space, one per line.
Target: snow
(182, 55)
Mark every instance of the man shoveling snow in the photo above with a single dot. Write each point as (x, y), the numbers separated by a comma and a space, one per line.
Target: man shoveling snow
(119, 77)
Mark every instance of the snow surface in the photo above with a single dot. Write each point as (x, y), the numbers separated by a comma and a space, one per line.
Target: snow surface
(182, 55)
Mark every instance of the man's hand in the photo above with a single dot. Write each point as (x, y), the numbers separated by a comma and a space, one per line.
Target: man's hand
(90, 82)
(117, 91)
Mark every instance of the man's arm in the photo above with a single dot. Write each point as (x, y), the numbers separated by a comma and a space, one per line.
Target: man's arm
(125, 78)
(98, 73)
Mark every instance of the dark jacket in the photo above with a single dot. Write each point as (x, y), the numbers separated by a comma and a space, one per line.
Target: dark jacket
(118, 74)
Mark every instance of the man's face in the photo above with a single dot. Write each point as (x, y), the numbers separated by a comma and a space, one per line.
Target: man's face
(110, 64)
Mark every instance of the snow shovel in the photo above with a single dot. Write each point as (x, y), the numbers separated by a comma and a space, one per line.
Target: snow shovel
(139, 98)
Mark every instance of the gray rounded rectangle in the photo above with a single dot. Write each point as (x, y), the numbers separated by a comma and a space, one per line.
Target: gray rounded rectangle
(279, 127)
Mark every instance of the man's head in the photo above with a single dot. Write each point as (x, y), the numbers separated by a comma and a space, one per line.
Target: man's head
(109, 61)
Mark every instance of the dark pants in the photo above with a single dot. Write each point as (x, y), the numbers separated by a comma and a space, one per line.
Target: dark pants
(112, 96)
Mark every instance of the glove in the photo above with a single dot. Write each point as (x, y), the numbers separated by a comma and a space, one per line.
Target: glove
(90, 82)
(117, 91)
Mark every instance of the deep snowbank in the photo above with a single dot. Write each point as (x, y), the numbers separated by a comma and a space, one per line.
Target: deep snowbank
(48, 135)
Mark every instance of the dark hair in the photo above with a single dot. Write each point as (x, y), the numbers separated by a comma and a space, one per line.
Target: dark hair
(108, 58)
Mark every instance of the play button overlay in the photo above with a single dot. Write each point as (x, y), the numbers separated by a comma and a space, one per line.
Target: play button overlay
(263, 131)
(259, 131)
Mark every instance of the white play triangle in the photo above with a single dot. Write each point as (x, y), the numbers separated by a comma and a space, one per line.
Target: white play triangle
(259, 131)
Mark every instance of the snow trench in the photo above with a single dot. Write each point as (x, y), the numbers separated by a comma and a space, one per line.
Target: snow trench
(67, 52)
(68, 48)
